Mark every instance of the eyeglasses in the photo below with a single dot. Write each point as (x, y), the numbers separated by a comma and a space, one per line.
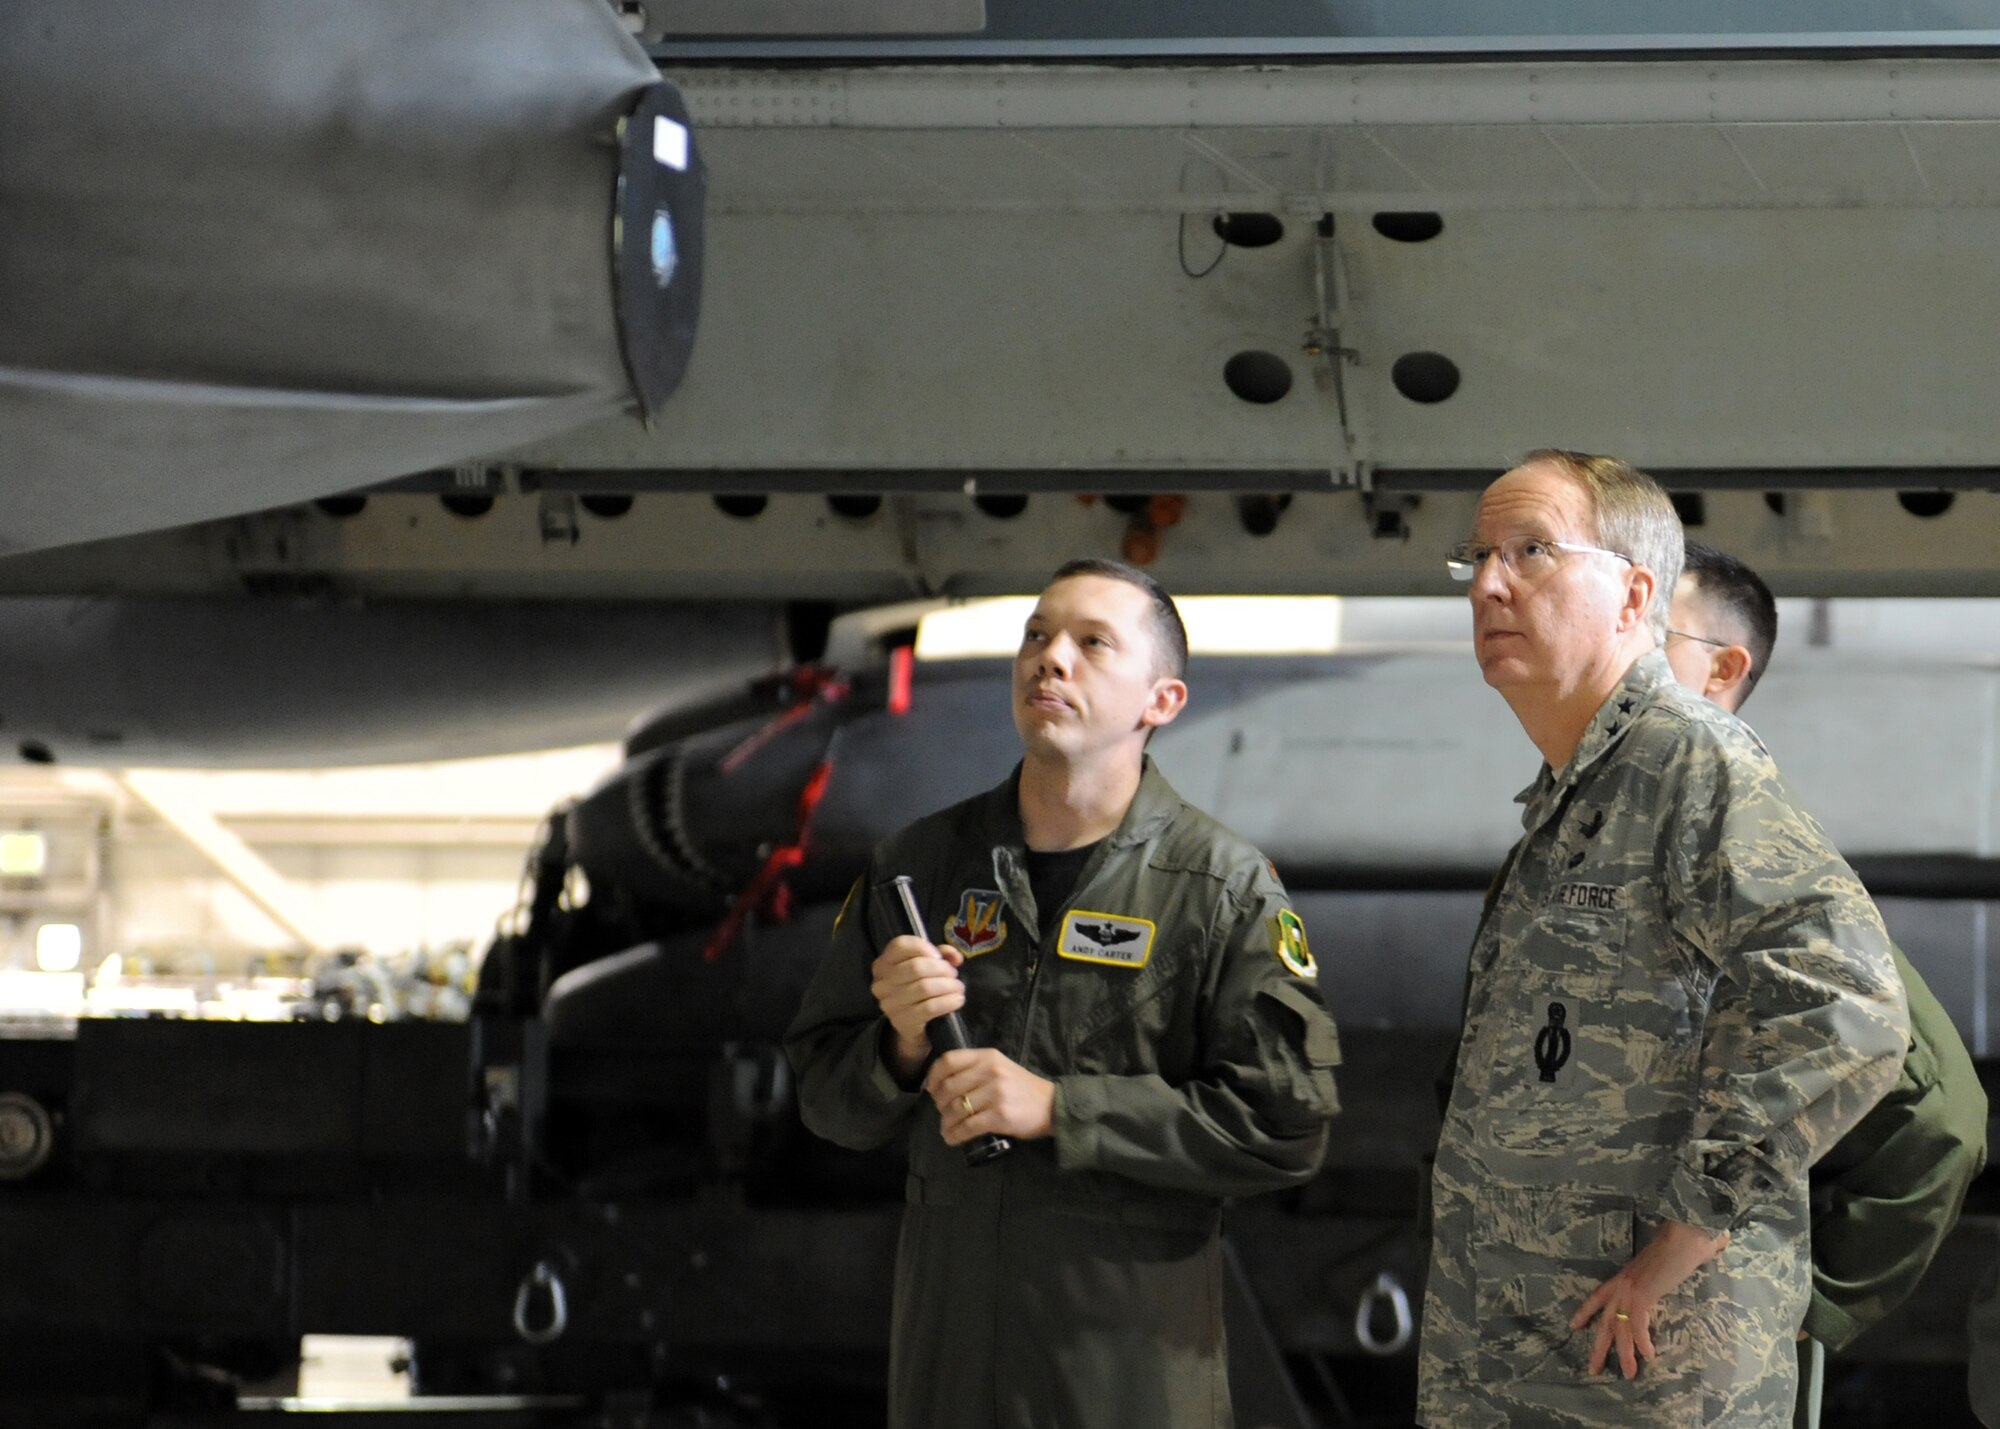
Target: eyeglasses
(1699, 639)
(1528, 557)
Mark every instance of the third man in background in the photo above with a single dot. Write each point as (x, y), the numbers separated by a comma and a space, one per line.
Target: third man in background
(1886, 1196)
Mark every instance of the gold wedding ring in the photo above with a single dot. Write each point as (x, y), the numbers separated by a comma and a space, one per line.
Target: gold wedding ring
(1620, 1315)
(966, 1102)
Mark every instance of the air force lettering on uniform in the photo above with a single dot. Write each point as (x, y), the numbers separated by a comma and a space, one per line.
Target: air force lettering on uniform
(1596, 897)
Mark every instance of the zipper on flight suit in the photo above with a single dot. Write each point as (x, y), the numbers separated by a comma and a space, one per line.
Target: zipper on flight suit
(1020, 1049)
(1084, 878)
(1035, 973)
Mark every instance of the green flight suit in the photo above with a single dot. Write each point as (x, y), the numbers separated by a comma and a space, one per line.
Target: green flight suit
(1078, 1281)
(1681, 998)
(1885, 1197)
(1888, 1193)
(1982, 1379)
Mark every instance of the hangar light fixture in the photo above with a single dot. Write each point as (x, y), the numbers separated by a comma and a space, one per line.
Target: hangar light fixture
(1216, 625)
(58, 947)
(23, 854)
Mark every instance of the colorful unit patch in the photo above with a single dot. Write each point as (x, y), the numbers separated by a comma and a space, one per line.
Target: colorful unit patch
(1288, 940)
(980, 925)
(1109, 938)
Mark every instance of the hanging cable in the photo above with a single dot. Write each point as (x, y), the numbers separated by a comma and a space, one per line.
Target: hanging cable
(1180, 244)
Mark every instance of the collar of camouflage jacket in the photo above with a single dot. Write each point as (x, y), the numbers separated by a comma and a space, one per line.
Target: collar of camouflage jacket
(1638, 689)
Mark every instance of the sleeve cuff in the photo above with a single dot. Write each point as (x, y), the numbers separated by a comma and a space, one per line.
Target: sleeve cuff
(1704, 1202)
(882, 1082)
(1829, 1324)
(1079, 1105)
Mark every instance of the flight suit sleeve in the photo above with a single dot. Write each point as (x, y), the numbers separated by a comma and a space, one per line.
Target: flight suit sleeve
(1886, 1197)
(846, 1091)
(1982, 1327)
(1254, 1117)
(1806, 1026)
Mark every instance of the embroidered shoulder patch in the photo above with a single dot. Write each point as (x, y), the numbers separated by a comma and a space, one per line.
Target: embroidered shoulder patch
(1595, 897)
(1110, 938)
(1288, 941)
(980, 924)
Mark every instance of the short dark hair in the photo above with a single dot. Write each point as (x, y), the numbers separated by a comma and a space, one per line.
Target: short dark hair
(1742, 594)
(1169, 634)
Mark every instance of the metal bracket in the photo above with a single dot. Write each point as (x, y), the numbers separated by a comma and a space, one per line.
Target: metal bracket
(1389, 512)
(558, 518)
(1323, 327)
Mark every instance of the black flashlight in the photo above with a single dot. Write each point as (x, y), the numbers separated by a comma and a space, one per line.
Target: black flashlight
(947, 1033)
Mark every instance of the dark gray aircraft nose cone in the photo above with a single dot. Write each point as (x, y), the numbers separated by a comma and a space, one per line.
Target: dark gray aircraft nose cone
(253, 252)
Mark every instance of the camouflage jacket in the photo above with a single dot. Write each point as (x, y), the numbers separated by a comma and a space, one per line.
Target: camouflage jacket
(1172, 999)
(1682, 998)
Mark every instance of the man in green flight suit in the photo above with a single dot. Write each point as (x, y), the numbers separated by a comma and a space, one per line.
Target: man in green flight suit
(1885, 1197)
(1681, 998)
(1146, 1027)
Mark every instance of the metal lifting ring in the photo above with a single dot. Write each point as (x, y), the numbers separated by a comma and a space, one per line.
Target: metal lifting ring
(1386, 1287)
(542, 1278)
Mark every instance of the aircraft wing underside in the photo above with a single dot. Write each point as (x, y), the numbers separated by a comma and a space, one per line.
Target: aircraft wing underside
(963, 299)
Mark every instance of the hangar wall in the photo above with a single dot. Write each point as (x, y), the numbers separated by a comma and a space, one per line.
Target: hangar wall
(386, 862)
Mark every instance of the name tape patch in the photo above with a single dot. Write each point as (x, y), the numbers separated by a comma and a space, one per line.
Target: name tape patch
(1597, 897)
(1109, 938)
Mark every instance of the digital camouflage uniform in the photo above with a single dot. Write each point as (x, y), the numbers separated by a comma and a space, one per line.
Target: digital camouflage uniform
(1682, 998)
(1078, 1281)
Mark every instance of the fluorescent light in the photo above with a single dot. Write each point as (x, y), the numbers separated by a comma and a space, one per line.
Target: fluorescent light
(23, 854)
(1216, 625)
(58, 947)
(1262, 624)
(978, 627)
(42, 994)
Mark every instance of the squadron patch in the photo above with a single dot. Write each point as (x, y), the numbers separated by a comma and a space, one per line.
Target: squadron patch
(980, 924)
(1109, 938)
(1595, 897)
(1288, 941)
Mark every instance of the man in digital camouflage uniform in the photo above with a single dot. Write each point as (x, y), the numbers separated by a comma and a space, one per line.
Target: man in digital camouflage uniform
(1683, 996)
(1886, 1196)
(1147, 1028)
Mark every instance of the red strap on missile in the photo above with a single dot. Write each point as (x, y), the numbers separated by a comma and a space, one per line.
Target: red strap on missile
(767, 889)
(810, 686)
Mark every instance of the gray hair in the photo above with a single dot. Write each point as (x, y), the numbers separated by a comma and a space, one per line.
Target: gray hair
(1632, 516)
